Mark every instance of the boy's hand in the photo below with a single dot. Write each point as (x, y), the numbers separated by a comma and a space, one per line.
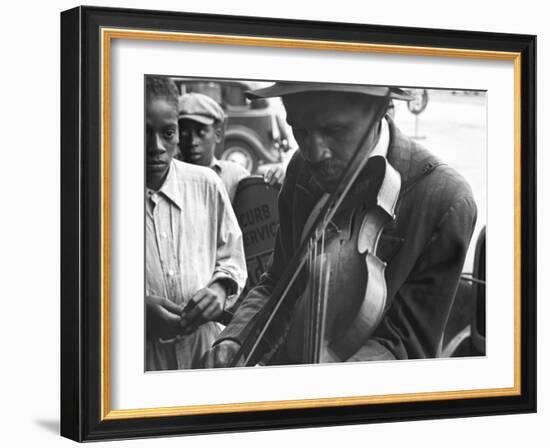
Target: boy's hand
(274, 175)
(207, 304)
(163, 317)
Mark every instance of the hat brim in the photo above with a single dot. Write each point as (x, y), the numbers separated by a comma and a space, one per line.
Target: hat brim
(280, 89)
(198, 118)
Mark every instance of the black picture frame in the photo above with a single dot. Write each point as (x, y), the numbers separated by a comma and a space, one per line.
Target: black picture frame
(81, 224)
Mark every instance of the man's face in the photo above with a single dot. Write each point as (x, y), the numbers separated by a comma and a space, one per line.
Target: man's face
(161, 124)
(198, 141)
(328, 127)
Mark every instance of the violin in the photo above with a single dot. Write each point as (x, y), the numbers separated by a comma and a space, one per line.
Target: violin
(345, 294)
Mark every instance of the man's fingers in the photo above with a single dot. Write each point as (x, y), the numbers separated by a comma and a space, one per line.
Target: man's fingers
(221, 355)
(213, 358)
(208, 360)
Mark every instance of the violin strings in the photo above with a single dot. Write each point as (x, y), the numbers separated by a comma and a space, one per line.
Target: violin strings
(323, 313)
(309, 296)
(320, 299)
(311, 353)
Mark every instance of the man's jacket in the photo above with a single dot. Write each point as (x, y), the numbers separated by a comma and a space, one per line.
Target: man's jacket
(424, 248)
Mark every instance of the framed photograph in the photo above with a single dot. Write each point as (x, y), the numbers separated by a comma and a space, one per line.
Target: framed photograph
(276, 224)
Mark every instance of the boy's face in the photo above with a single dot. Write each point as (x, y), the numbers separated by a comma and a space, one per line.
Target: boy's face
(161, 129)
(198, 141)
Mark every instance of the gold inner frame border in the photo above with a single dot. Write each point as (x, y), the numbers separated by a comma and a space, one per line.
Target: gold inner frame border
(107, 35)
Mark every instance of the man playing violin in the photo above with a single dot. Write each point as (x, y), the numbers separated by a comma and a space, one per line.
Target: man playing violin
(424, 246)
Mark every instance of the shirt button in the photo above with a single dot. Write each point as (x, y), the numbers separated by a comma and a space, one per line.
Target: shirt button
(170, 272)
(163, 234)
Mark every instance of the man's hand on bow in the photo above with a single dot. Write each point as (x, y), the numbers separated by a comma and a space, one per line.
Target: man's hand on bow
(220, 355)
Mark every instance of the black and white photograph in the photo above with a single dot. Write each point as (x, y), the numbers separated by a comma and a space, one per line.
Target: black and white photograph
(274, 223)
(293, 223)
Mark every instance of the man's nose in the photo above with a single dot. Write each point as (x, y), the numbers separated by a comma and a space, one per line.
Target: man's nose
(317, 149)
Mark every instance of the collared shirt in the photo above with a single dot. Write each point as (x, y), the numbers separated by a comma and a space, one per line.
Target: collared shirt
(192, 240)
(381, 147)
(230, 173)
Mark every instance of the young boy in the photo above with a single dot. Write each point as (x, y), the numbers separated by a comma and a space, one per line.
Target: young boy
(194, 255)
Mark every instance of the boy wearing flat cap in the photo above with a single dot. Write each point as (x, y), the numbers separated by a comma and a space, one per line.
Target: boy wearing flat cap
(424, 247)
(201, 124)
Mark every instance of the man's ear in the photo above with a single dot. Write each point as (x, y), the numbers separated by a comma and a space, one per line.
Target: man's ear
(218, 133)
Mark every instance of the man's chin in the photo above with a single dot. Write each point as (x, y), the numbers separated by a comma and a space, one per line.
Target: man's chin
(327, 177)
(156, 174)
(326, 184)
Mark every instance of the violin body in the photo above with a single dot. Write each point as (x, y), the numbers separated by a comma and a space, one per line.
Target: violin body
(344, 296)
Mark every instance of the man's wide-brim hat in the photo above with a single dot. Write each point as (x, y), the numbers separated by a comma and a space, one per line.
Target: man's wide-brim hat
(290, 88)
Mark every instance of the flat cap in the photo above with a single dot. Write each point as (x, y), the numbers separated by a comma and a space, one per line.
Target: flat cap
(284, 88)
(200, 108)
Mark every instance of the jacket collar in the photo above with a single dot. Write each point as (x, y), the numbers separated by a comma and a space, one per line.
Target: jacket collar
(410, 159)
(170, 188)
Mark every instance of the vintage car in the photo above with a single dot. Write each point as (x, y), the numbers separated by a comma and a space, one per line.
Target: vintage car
(256, 133)
(465, 332)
